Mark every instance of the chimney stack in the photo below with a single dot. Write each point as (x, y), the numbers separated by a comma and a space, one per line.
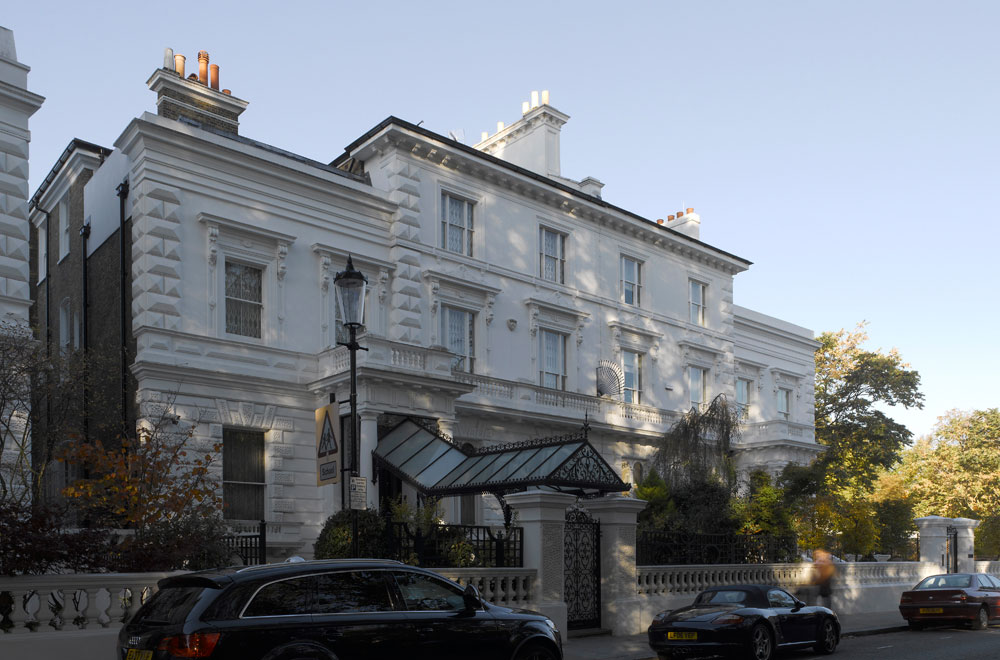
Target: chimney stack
(196, 98)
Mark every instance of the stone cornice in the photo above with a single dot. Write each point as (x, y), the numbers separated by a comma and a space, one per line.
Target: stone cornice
(242, 227)
(281, 170)
(362, 261)
(20, 99)
(395, 136)
(636, 330)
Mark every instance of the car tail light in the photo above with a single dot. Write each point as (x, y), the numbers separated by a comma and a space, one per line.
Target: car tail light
(728, 619)
(195, 645)
(960, 597)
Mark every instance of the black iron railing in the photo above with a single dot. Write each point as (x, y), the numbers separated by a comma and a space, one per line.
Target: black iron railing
(672, 548)
(247, 543)
(455, 546)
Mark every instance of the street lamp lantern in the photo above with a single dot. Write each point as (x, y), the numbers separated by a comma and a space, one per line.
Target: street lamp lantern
(351, 285)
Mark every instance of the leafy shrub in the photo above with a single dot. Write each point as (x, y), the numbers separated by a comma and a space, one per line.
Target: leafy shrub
(334, 541)
(37, 541)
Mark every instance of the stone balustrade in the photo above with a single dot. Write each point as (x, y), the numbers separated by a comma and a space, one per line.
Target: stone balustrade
(499, 391)
(72, 602)
(858, 587)
(48, 603)
(510, 587)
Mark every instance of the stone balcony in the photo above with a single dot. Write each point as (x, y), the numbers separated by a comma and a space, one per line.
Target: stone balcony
(530, 398)
(777, 431)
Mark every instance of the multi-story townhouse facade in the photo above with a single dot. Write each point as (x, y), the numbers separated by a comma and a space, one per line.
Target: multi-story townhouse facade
(17, 105)
(505, 302)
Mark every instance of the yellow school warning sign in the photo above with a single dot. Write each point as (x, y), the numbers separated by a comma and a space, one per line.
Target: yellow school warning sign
(327, 446)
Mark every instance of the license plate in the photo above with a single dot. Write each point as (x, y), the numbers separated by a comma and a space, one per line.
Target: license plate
(932, 610)
(136, 654)
(682, 635)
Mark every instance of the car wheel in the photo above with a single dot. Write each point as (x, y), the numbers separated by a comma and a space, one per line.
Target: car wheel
(914, 625)
(982, 619)
(761, 644)
(535, 652)
(826, 642)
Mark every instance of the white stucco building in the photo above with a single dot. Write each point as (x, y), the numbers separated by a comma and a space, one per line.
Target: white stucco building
(498, 291)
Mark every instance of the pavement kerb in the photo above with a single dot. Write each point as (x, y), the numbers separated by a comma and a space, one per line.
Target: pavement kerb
(874, 631)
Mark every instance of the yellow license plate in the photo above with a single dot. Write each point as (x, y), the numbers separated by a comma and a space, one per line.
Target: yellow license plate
(932, 610)
(682, 635)
(136, 654)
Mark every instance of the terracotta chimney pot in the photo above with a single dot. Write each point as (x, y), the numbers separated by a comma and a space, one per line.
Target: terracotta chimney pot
(659, 221)
(203, 67)
(179, 64)
(690, 210)
(215, 76)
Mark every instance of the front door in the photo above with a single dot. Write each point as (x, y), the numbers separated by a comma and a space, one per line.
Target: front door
(582, 556)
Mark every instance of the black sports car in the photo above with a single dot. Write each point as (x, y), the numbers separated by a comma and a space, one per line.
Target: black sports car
(751, 620)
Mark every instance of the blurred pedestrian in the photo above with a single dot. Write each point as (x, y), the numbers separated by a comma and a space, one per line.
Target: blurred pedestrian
(823, 571)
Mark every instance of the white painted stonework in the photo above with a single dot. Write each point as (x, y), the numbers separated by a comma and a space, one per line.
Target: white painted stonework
(17, 105)
(199, 198)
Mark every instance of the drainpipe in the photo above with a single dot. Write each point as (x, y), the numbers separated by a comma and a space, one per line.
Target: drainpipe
(84, 235)
(122, 192)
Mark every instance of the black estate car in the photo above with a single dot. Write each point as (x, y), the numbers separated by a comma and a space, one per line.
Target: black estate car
(330, 610)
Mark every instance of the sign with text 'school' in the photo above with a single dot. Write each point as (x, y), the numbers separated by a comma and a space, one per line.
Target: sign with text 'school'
(327, 446)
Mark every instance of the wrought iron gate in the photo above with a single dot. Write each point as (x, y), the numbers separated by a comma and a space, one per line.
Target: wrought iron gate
(582, 570)
(951, 550)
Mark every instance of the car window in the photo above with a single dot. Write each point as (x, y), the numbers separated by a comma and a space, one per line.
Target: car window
(996, 581)
(424, 592)
(354, 591)
(946, 582)
(779, 598)
(985, 582)
(726, 597)
(284, 598)
(170, 605)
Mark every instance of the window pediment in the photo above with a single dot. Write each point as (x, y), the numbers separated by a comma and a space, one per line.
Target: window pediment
(556, 315)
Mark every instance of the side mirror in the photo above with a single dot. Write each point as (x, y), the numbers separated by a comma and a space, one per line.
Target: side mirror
(472, 600)
(799, 604)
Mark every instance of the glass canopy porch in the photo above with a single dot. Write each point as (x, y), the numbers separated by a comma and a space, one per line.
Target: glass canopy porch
(437, 467)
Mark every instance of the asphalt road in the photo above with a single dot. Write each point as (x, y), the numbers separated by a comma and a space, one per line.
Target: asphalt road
(931, 644)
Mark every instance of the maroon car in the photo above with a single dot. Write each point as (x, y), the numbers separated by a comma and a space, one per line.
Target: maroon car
(952, 598)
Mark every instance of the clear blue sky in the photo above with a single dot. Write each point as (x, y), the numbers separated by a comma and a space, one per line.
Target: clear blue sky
(848, 148)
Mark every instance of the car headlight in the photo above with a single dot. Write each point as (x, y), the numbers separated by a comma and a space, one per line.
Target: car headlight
(661, 617)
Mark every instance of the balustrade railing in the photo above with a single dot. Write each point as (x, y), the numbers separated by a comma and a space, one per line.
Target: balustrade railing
(510, 587)
(69, 602)
(677, 580)
(49, 603)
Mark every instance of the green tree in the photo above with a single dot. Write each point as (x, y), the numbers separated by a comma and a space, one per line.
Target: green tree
(852, 384)
(699, 479)
(833, 498)
(955, 472)
(762, 509)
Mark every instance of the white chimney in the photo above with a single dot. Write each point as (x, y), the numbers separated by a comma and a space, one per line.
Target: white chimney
(532, 142)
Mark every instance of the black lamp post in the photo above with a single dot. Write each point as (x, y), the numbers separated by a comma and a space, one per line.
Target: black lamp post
(350, 285)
